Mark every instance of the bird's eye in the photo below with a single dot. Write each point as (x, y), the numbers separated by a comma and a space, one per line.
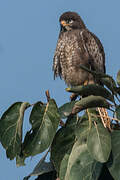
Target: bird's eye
(67, 21)
(70, 21)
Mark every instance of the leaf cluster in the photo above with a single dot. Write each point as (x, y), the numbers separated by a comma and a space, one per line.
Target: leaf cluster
(79, 145)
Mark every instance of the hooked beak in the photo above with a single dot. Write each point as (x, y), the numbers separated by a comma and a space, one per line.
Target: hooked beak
(63, 23)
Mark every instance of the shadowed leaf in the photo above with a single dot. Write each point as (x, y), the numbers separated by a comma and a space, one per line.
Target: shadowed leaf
(91, 89)
(115, 167)
(82, 129)
(118, 78)
(66, 109)
(90, 102)
(48, 176)
(45, 121)
(11, 128)
(63, 141)
(99, 142)
(81, 165)
(117, 90)
(63, 165)
(109, 83)
(41, 168)
(117, 112)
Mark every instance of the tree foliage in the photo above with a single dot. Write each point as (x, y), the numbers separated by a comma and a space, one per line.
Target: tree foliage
(80, 146)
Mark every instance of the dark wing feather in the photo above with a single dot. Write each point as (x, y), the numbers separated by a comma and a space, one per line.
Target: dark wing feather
(56, 59)
(101, 49)
(95, 50)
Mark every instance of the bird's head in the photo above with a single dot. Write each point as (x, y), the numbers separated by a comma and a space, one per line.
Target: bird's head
(71, 20)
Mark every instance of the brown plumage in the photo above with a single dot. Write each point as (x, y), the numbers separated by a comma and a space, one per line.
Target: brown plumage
(77, 46)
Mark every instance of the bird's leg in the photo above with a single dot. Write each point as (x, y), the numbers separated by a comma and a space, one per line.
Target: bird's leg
(86, 82)
(74, 96)
(89, 81)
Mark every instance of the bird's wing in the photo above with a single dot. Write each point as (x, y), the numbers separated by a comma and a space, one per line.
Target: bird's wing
(95, 50)
(56, 59)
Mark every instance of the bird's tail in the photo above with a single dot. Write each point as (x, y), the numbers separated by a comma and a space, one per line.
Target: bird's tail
(105, 118)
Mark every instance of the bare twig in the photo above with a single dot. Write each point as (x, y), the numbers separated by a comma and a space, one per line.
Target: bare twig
(47, 95)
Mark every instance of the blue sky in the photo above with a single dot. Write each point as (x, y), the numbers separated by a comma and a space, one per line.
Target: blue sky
(28, 35)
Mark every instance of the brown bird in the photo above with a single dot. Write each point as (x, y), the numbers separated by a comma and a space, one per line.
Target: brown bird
(77, 46)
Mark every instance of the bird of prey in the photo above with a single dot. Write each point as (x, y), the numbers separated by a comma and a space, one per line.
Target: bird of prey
(77, 46)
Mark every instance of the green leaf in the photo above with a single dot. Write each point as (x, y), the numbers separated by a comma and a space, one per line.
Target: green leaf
(90, 102)
(118, 78)
(82, 129)
(71, 125)
(99, 142)
(41, 168)
(91, 89)
(63, 141)
(117, 112)
(81, 165)
(45, 121)
(115, 167)
(11, 128)
(46, 176)
(63, 165)
(98, 75)
(66, 109)
(109, 83)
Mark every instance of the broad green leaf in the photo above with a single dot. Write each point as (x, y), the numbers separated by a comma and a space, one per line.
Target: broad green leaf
(90, 102)
(115, 167)
(81, 133)
(66, 109)
(45, 121)
(118, 78)
(81, 166)
(99, 142)
(11, 128)
(82, 128)
(91, 89)
(63, 165)
(117, 112)
(63, 141)
(36, 115)
(41, 168)
(46, 176)
(71, 124)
